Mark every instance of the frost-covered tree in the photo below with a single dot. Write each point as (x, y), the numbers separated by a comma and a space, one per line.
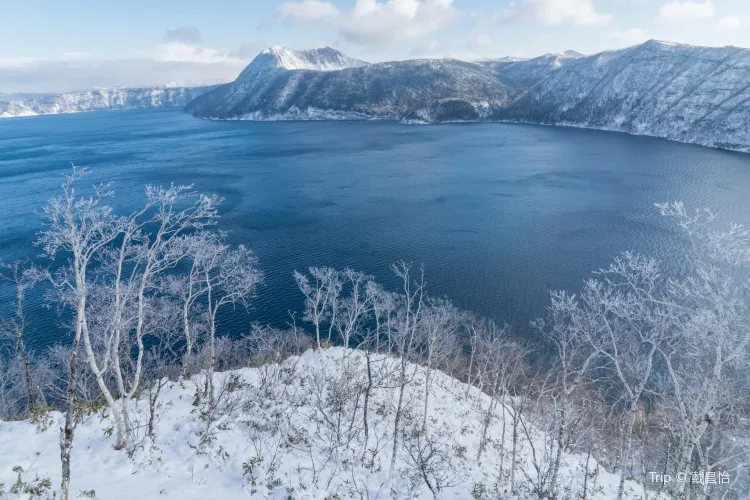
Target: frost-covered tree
(321, 297)
(77, 227)
(22, 279)
(711, 348)
(405, 330)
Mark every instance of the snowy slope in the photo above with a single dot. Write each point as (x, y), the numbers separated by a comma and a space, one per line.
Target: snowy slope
(690, 94)
(100, 99)
(276, 85)
(276, 443)
(523, 74)
(325, 59)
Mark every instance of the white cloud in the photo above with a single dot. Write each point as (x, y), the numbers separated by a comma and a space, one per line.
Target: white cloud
(182, 52)
(730, 22)
(250, 49)
(429, 48)
(172, 63)
(374, 22)
(480, 42)
(578, 12)
(66, 76)
(688, 10)
(307, 10)
(632, 36)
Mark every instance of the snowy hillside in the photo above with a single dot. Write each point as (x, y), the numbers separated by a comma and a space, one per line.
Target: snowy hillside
(325, 59)
(277, 86)
(278, 435)
(690, 94)
(13, 105)
(523, 74)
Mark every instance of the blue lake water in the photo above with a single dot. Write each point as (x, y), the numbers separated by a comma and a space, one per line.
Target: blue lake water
(499, 214)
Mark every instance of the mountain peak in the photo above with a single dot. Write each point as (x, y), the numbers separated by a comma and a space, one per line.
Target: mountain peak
(573, 54)
(323, 59)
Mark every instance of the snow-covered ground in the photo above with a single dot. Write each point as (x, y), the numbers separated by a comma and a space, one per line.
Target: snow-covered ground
(279, 435)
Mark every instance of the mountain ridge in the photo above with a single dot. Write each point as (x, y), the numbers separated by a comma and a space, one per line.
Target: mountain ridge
(122, 98)
(679, 92)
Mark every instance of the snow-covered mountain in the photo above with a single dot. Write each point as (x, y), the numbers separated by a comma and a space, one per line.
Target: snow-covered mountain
(573, 54)
(12, 105)
(325, 59)
(521, 74)
(281, 431)
(690, 94)
(281, 84)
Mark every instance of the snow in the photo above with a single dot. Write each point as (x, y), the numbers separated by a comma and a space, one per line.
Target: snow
(325, 59)
(99, 99)
(276, 430)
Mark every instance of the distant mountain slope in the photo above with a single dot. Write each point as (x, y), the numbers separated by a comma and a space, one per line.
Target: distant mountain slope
(423, 90)
(521, 74)
(689, 94)
(12, 105)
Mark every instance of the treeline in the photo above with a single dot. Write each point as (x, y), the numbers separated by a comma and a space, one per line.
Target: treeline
(646, 370)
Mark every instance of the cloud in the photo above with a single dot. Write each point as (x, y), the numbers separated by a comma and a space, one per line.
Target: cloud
(185, 34)
(67, 76)
(307, 10)
(578, 12)
(170, 63)
(374, 22)
(632, 36)
(428, 48)
(182, 52)
(479, 42)
(250, 49)
(688, 10)
(730, 22)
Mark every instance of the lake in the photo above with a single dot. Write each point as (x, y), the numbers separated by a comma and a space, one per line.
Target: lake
(499, 214)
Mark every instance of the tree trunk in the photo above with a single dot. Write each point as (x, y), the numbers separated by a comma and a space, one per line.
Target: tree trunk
(68, 429)
(516, 419)
(428, 379)
(397, 418)
(368, 388)
(626, 451)
(558, 454)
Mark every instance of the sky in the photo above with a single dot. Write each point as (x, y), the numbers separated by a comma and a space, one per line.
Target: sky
(54, 46)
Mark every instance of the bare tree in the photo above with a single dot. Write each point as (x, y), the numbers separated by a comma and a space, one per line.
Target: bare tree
(79, 227)
(22, 279)
(349, 313)
(406, 325)
(437, 330)
(320, 298)
(230, 278)
(714, 336)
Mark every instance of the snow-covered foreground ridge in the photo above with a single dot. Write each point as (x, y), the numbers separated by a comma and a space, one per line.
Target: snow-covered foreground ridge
(292, 430)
